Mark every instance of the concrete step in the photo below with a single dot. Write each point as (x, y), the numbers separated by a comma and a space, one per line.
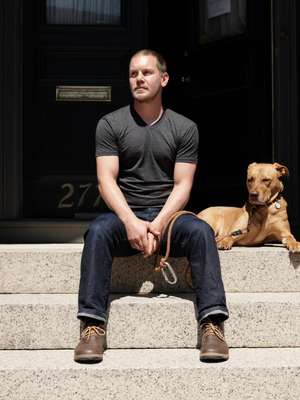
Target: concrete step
(250, 374)
(49, 322)
(54, 268)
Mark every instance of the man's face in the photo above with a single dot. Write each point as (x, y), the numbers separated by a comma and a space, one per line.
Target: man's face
(145, 79)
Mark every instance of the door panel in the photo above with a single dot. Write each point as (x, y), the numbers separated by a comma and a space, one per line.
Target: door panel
(59, 162)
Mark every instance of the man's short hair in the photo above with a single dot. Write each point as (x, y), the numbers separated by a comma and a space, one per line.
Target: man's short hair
(160, 60)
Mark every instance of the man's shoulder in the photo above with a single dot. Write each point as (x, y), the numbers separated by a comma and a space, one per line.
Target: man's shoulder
(117, 115)
(179, 119)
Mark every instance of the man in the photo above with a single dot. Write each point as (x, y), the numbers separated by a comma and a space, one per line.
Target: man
(146, 159)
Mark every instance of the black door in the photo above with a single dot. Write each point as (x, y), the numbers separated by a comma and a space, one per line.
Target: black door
(220, 65)
(76, 63)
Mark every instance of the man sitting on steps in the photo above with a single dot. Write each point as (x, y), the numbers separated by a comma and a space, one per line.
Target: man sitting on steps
(146, 159)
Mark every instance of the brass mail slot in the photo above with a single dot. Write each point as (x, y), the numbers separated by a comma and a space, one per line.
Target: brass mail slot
(83, 93)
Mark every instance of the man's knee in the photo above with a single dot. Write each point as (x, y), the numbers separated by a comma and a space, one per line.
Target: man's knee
(104, 226)
(199, 229)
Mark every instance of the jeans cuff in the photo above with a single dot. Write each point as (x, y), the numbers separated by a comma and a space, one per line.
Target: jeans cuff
(83, 315)
(222, 312)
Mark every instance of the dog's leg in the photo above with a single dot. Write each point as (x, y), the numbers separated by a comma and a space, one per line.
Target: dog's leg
(226, 243)
(291, 243)
(282, 232)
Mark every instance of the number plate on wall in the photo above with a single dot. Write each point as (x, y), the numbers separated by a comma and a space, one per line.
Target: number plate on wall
(83, 93)
(63, 196)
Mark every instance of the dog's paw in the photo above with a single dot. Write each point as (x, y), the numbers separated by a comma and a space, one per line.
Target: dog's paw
(293, 246)
(225, 244)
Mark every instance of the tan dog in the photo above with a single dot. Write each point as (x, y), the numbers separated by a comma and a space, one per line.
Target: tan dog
(262, 219)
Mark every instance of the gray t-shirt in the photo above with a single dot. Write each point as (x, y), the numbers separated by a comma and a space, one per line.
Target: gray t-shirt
(147, 153)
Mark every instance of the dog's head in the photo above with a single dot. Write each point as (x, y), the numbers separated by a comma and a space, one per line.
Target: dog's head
(264, 182)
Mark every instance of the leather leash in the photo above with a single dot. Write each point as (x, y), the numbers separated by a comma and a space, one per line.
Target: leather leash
(162, 264)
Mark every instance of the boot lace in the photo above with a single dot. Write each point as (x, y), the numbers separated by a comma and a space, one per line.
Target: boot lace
(210, 329)
(92, 330)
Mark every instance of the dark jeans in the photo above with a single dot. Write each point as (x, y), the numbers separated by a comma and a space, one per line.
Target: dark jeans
(191, 238)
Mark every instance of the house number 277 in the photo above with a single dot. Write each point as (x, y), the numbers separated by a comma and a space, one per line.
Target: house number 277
(68, 199)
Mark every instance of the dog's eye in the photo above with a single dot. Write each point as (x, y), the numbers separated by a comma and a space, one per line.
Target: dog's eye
(250, 179)
(266, 180)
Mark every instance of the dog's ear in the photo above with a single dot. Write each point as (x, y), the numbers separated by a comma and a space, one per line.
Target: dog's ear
(252, 164)
(282, 170)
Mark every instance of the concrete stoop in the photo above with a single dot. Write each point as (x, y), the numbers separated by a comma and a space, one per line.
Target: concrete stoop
(152, 330)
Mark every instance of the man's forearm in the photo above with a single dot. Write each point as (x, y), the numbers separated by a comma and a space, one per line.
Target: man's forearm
(115, 200)
(176, 201)
(136, 229)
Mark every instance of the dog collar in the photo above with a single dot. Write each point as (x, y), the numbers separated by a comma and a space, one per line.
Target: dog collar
(275, 200)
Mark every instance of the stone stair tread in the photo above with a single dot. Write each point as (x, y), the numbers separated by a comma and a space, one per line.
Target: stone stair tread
(43, 247)
(36, 247)
(250, 374)
(163, 298)
(150, 358)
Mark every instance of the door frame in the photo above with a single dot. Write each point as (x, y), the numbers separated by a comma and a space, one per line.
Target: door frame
(11, 108)
(285, 146)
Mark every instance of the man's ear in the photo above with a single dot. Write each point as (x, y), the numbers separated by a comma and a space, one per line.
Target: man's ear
(164, 79)
(282, 170)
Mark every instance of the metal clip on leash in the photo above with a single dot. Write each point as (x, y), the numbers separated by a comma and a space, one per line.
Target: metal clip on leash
(163, 268)
(172, 273)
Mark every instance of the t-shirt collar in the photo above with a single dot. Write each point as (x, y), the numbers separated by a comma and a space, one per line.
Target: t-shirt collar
(140, 120)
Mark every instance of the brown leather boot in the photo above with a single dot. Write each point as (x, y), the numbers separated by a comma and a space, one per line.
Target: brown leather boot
(92, 344)
(213, 344)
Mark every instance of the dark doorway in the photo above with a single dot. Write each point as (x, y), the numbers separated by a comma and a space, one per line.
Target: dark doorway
(220, 67)
(220, 77)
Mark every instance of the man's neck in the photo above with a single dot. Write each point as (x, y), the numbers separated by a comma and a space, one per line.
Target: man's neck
(149, 112)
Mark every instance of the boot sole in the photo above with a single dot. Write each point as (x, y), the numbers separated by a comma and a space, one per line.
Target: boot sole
(209, 357)
(89, 359)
